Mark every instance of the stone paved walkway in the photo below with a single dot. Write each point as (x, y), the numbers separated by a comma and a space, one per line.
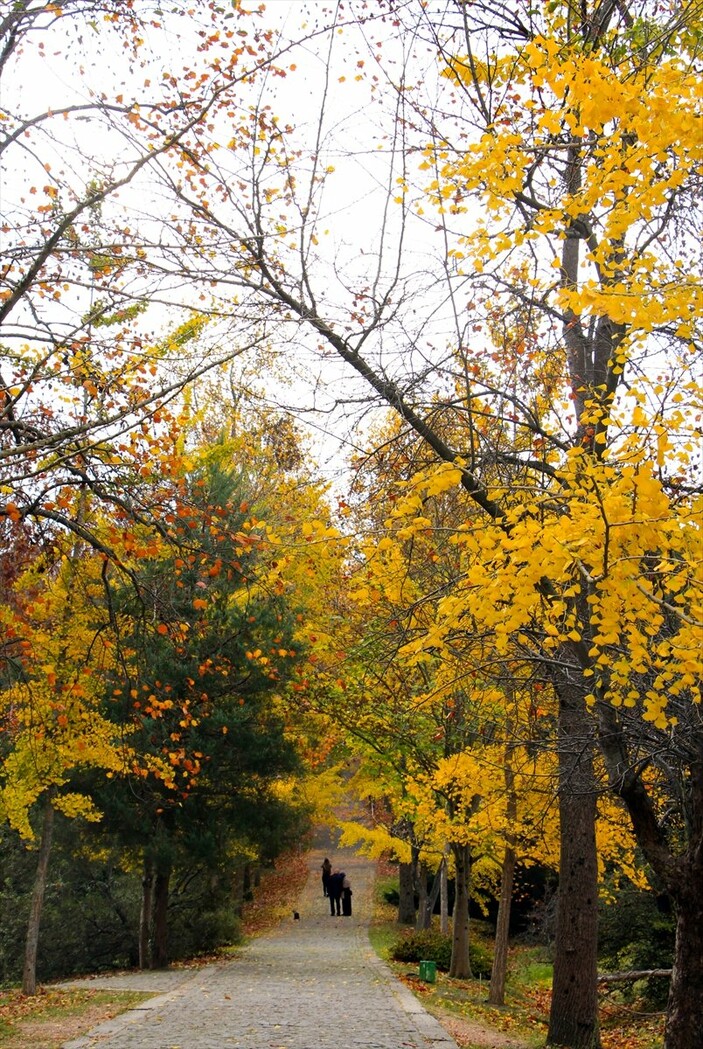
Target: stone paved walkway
(308, 984)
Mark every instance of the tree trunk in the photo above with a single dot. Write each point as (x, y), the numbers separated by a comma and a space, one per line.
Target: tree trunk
(406, 897)
(573, 1019)
(684, 1015)
(237, 884)
(421, 915)
(433, 895)
(460, 966)
(496, 993)
(146, 914)
(159, 951)
(29, 976)
(444, 897)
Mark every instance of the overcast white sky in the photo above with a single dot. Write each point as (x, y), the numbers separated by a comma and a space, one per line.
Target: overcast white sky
(356, 140)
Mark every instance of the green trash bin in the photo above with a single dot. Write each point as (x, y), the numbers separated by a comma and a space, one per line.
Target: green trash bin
(428, 971)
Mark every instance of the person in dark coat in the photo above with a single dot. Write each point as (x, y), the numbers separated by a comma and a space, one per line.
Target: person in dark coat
(346, 896)
(326, 872)
(335, 891)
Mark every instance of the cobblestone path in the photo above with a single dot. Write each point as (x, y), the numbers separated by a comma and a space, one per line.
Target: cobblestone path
(308, 984)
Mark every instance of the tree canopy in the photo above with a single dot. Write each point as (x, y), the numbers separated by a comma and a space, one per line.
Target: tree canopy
(483, 219)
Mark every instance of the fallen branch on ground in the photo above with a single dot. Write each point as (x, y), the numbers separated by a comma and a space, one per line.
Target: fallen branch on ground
(631, 975)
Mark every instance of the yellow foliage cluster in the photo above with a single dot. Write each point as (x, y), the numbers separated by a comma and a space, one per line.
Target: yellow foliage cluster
(604, 563)
(635, 151)
(52, 714)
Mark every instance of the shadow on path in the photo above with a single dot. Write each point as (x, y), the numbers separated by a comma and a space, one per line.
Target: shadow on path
(308, 984)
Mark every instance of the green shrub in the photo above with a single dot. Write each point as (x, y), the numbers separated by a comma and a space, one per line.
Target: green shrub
(429, 945)
(200, 929)
(481, 960)
(90, 918)
(387, 890)
(636, 931)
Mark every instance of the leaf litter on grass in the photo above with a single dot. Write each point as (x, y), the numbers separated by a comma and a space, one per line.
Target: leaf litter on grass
(53, 1016)
(462, 1009)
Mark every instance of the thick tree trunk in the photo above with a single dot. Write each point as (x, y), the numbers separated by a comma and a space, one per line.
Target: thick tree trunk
(573, 1019)
(427, 899)
(684, 1016)
(460, 966)
(421, 915)
(406, 897)
(159, 951)
(496, 993)
(29, 975)
(146, 914)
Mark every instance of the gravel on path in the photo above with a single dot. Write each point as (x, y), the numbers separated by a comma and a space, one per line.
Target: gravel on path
(312, 983)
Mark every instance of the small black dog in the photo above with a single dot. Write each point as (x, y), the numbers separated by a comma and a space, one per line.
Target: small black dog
(296, 916)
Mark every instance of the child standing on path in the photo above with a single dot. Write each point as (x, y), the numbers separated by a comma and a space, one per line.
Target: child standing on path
(346, 896)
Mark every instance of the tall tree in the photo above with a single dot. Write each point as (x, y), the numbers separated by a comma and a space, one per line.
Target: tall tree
(211, 641)
(431, 706)
(554, 131)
